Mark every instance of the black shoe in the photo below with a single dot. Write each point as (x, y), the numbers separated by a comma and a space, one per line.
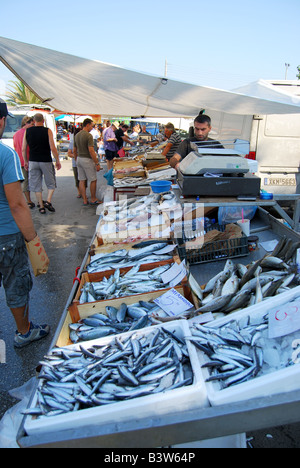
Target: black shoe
(49, 206)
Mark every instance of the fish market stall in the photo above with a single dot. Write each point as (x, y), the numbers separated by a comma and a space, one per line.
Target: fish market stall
(238, 381)
(141, 167)
(132, 307)
(145, 393)
(131, 219)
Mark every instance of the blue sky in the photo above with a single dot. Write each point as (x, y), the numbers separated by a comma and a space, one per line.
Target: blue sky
(219, 44)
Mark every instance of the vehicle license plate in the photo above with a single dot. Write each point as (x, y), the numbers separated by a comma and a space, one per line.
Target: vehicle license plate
(279, 181)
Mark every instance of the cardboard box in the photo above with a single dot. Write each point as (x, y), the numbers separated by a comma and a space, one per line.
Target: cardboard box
(76, 311)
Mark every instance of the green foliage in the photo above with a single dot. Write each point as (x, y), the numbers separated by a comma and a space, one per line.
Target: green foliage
(18, 94)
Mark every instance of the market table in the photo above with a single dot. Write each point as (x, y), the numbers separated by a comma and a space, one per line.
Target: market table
(186, 426)
(233, 201)
(173, 429)
(126, 190)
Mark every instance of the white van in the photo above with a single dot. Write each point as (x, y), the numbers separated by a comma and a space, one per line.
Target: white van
(13, 124)
(272, 140)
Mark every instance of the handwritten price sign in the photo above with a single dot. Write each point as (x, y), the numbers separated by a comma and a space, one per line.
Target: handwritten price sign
(284, 319)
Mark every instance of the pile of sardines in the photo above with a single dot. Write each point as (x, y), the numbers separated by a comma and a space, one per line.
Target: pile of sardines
(126, 368)
(237, 286)
(125, 318)
(126, 258)
(241, 350)
(127, 284)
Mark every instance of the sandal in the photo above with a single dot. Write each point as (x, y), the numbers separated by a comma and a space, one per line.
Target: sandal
(31, 205)
(42, 210)
(49, 206)
(97, 202)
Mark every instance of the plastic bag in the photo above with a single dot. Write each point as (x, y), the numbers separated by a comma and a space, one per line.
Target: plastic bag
(232, 214)
(10, 423)
(109, 177)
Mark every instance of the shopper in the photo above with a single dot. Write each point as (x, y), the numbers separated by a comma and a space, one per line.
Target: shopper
(41, 143)
(122, 137)
(27, 122)
(110, 144)
(87, 162)
(74, 164)
(15, 226)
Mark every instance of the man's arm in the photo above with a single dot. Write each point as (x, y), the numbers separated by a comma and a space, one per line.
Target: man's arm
(175, 161)
(75, 154)
(24, 151)
(182, 151)
(54, 149)
(167, 149)
(94, 157)
(20, 210)
(127, 140)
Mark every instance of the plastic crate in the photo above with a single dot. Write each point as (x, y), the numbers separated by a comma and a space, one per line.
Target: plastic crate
(214, 251)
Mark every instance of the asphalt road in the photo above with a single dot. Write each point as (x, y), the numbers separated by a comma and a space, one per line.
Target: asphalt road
(66, 235)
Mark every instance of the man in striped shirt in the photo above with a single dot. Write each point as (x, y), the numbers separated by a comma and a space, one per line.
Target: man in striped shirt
(173, 142)
(16, 227)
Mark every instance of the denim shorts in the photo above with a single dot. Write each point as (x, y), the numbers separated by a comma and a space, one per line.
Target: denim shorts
(15, 272)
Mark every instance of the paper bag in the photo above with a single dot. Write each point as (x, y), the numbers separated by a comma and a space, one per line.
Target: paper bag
(38, 257)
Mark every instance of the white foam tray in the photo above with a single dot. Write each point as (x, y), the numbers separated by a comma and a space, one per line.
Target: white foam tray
(280, 381)
(150, 406)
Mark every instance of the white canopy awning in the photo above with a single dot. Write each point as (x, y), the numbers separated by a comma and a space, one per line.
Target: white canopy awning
(76, 85)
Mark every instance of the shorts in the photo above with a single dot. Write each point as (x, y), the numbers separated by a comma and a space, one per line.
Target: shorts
(75, 172)
(15, 270)
(36, 172)
(110, 155)
(86, 169)
(25, 181)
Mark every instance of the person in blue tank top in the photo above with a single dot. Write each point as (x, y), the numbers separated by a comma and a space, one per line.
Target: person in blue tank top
(16, 227)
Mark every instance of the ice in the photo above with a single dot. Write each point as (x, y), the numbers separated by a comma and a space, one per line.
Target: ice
(272, 357)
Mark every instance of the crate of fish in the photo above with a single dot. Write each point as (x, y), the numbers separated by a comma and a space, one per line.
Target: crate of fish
(219, 243)
(142, 374)
(241, 358)
(123, 282)
(95, 320)
(113, 257)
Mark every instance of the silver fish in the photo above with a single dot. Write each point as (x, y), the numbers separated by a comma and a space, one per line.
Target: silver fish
(216, 304)
(239, 301)
(123, 369)
(231, 286)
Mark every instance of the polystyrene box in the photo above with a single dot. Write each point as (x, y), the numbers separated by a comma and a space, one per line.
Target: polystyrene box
(280, 381)
(178, 400)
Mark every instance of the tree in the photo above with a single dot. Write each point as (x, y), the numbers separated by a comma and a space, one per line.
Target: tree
(18, 94)
(298, 76)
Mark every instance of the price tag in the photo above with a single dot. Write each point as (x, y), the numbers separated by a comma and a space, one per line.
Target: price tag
(173, 303)
(284, 319)
(171, 274)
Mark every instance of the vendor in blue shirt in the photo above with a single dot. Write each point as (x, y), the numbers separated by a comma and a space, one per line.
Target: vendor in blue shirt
(16, 227)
